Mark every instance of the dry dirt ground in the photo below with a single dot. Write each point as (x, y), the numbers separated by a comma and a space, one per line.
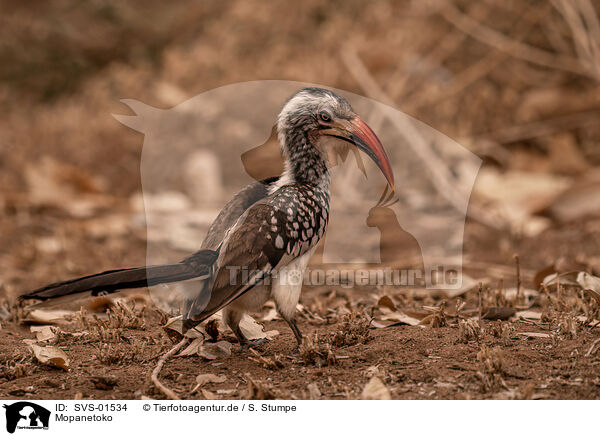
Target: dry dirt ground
(437, 360)
(413, 362)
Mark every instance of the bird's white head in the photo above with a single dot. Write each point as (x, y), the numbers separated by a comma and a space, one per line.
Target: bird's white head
(314, 114)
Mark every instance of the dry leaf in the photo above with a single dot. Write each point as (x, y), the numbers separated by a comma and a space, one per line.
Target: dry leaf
(542, 274)
(104, 383)
(41, 316)
(4, 312)
(587, 321)
(569, 278)
(590, 284)
(377, 325)
(517, 196)
(51, 356)
(176, 324)
(250, 328)
(376, 390)
(581, 199)
(529, 314)
(44, 333)
(100, 304)
(203, 379)
(64, 186)
(313, 391)
(253, 330)
(499, 313)
(387, 302)
(212, 351)
(400, 318)
(271, 315)
(582, 279)
(209, 395)
(534, 334)
(467, 284)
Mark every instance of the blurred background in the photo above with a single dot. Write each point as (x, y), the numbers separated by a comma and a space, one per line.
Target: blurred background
(516, 82)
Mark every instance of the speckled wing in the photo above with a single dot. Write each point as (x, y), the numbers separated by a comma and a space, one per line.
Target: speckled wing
(272, 233)
(234, 209)
(199, 293)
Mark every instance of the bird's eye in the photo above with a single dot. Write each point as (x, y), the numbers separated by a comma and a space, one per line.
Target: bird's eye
(324, 116)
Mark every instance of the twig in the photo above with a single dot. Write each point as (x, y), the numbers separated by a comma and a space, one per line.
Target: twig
(479, 69)
(591, 350)
(514, 48)
(518, 265)
(582, 19)
(154, 377)
(480, 302)
(529, 321)
(536, 129)
(431, 61)
(266, 362)
(459, 82)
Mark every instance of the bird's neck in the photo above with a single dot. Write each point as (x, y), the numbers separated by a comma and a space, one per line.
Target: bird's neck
(304, 163)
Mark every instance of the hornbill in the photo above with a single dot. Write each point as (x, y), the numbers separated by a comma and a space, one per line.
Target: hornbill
(260, 243)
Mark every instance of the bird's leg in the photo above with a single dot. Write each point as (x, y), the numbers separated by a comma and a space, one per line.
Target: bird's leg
(297, 333)
(241, 338)
(246, 343)
(286, 293)
(287, 312)
(232, 318)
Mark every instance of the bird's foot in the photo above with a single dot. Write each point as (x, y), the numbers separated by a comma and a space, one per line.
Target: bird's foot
(296, 349)
(252, 343)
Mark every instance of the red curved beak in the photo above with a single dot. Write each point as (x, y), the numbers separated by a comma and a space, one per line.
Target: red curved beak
(365, 139)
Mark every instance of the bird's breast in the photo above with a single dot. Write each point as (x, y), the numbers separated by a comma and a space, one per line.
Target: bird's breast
(299, 219)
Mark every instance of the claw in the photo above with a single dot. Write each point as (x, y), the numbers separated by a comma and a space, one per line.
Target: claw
(257, 342)
(252, 343)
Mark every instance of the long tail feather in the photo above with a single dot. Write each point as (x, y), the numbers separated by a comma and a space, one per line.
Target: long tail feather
(195, 266)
